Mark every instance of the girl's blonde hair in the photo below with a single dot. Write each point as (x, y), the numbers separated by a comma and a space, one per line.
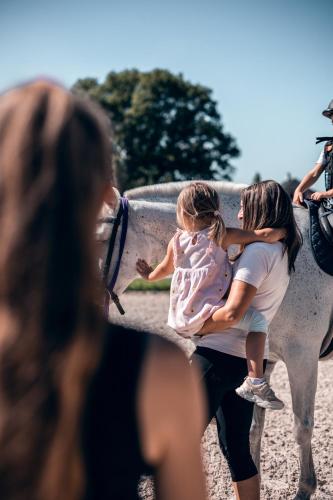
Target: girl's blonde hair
(200, 202)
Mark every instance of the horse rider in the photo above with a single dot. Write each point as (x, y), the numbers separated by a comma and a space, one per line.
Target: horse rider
(324, 164)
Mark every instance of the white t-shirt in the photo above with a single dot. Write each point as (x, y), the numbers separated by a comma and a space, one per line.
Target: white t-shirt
(265, 267)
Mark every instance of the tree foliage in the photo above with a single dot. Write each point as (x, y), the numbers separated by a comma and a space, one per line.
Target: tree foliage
(165, 128)
(256, 178)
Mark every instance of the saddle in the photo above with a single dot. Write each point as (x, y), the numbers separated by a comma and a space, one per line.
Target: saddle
(321, 235)
(325, 215)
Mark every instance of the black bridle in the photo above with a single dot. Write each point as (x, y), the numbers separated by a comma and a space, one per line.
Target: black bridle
(122, 216)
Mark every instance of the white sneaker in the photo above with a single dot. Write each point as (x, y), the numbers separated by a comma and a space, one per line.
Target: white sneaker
(260, 394)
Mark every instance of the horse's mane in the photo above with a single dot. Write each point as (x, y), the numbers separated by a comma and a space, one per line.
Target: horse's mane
(172, 189)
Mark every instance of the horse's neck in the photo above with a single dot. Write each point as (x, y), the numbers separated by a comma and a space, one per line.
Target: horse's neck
(154, 223)
(229, 207)
(302, 218)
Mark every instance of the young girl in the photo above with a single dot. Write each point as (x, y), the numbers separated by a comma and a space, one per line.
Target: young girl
(197, 257)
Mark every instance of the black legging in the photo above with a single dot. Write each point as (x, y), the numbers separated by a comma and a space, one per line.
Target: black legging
(221, 374)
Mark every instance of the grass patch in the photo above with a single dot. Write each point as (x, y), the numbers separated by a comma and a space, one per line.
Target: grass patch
(140, 285)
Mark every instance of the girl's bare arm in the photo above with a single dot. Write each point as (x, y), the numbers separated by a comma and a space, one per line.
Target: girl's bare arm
(235, 236)
(164, 268)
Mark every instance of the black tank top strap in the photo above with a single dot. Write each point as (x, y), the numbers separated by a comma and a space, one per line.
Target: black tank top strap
(111, 438)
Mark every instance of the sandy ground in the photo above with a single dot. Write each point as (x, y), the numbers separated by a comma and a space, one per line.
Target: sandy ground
(280, 463)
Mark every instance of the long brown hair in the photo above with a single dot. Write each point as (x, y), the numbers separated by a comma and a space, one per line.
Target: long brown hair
(54, 162)
(266, 204)
(201, 203)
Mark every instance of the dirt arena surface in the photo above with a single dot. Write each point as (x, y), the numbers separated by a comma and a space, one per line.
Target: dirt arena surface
(279, 451)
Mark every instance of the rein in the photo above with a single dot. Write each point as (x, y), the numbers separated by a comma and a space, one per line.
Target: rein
(122, 216)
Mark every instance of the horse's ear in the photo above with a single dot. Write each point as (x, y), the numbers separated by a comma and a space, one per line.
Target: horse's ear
(111, 197)
(116, 192)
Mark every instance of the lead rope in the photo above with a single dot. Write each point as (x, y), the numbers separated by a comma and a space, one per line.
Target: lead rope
(110, 294)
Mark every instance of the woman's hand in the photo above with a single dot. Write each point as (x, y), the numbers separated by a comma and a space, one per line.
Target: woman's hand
(298, 198)
(206, 329)
(318, 195)
(143, 268)
(239, 300)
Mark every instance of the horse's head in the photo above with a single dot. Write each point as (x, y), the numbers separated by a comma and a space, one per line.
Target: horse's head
(136, 243)
(105, 227)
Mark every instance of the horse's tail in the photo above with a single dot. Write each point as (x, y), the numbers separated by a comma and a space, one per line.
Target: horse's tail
(326, 351)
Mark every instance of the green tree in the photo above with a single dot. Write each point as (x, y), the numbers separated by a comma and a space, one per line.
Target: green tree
(165, 128)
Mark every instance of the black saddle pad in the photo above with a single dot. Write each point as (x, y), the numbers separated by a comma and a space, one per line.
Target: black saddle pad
(322, 250)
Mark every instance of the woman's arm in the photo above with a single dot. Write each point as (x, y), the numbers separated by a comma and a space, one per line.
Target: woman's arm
(321, 195)
(253, 267)
(239, 300)
(164, 268)
(235, 236)
(172, 416)
(309, 179)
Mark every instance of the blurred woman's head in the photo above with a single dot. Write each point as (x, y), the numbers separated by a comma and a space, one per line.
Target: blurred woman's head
(266, 204)
(55, 161)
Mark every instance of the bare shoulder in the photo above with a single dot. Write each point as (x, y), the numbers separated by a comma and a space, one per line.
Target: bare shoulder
(169, 393)
(165, 368)
(170, 244)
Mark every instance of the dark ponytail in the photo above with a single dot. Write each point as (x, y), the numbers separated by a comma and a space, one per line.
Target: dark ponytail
(266, 204)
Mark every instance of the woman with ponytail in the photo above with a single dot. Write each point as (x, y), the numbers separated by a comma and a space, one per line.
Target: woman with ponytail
(225, 354)
(86, 407)
(197, 257)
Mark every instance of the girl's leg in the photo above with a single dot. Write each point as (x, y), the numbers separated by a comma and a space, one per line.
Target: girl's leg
(255, 387)
(255, 348)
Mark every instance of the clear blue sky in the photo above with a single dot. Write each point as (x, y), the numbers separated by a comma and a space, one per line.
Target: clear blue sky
(269, 62)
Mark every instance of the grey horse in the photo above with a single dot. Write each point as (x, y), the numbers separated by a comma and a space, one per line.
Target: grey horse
(301, 332)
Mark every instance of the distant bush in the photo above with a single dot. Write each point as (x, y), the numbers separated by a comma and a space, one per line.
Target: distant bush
(140, 285)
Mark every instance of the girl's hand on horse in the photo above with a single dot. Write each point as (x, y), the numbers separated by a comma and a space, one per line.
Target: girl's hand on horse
(143, 268)
(162, 270)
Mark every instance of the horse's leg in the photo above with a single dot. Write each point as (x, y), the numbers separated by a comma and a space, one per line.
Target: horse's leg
(258, 423)
(302, 372)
